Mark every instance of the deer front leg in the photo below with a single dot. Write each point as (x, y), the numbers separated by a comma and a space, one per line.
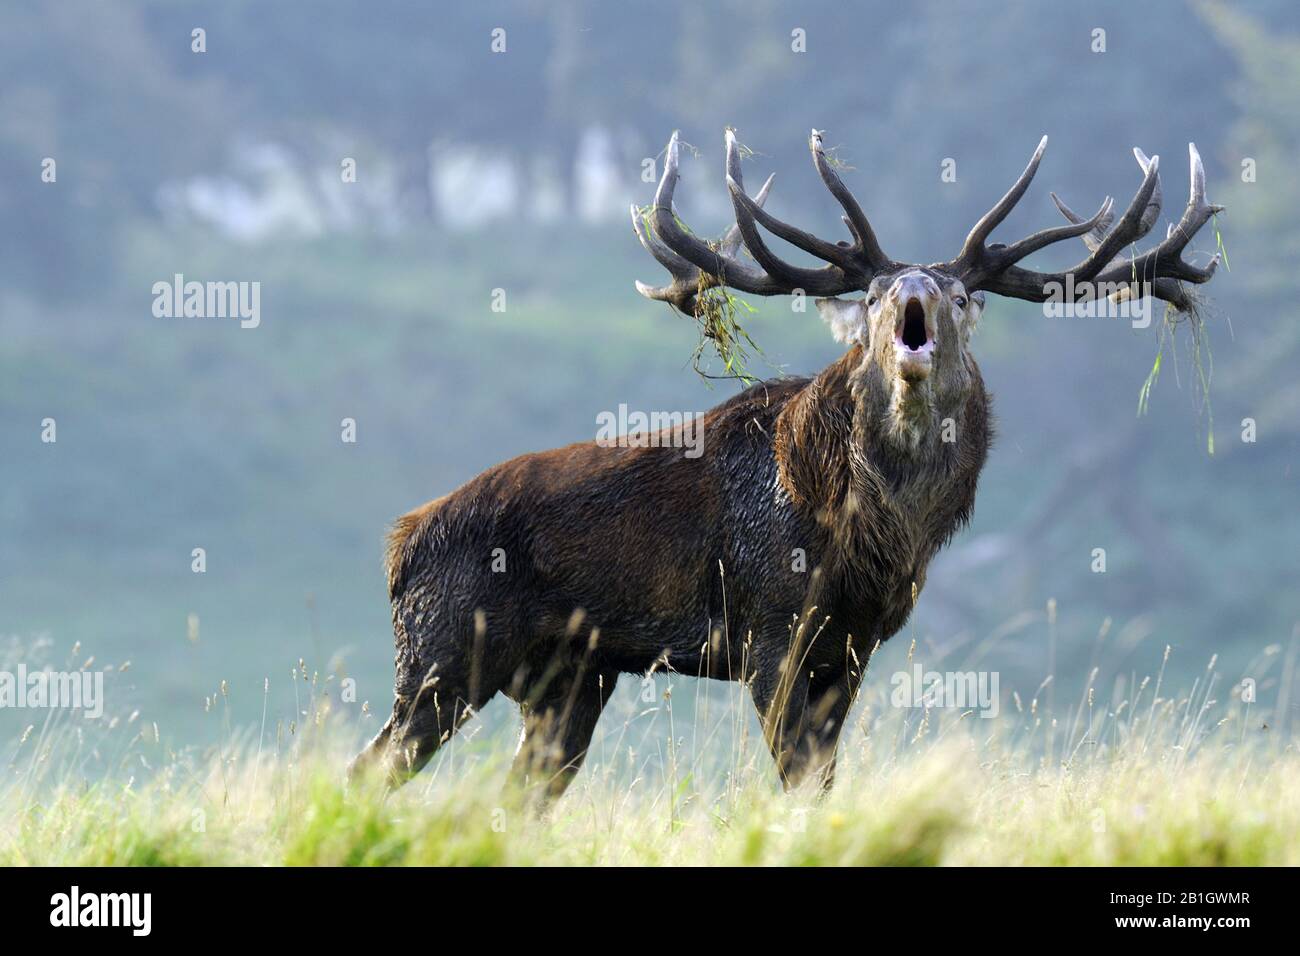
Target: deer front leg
(802, 720)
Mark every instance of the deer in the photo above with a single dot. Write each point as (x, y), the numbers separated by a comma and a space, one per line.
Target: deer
(548, 576)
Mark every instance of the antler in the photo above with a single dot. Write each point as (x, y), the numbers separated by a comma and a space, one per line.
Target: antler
(696, 265)
(1161, 269)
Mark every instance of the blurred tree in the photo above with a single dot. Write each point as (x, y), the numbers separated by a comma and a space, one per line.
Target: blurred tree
(1263, 190)
(84, 84)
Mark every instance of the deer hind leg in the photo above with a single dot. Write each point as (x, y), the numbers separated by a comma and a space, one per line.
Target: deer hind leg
(439, 686)
(424, 717)
(560, 712)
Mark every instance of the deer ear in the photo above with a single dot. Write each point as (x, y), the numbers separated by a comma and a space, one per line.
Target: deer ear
(847, 319)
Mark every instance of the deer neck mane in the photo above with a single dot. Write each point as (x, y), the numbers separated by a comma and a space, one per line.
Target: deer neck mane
(848, 454)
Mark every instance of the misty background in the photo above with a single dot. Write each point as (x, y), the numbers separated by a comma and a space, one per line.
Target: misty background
(479, 170)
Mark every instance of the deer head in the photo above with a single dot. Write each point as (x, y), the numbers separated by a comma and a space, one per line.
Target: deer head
(912, 323)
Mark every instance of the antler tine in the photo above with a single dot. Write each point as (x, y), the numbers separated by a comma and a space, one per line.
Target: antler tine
(1156, 202)
(1165, 260)
(1132, 226)
(1045, 237)
(867, 245)
(974, 247)
(686, 278)
(1198, 210)
(686, 282)
(1166, 289)
(732, 240)
(729, 244)
(832, 279)
(670, 260)
(1092, 237)
(840, 255)
(720, 269)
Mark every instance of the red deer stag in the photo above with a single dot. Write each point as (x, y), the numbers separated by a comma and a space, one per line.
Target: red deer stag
(620, 559)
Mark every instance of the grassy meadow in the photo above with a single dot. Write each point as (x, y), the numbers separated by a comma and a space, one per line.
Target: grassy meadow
(678, 776)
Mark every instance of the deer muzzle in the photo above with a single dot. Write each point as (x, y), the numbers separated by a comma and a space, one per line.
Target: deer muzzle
(915, 298)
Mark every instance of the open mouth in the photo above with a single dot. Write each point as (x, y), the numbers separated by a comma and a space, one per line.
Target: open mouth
(914, 334)
(914, 342)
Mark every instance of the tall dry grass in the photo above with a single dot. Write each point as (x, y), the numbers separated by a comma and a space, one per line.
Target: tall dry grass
(679, 776)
